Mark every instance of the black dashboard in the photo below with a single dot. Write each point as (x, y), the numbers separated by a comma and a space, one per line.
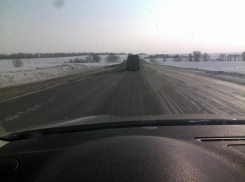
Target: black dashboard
(151, 153)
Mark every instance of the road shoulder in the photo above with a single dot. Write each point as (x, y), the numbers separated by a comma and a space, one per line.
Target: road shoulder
(220, 75)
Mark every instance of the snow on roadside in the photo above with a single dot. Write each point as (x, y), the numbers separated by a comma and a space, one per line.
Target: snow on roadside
(25, 76)
(35, 63)
(227, 71)
(225, 66)
(36, 69)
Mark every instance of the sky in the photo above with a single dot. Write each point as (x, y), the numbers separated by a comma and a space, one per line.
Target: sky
(134, 26)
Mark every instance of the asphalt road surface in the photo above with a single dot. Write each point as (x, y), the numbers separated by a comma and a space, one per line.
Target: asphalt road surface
(152, 90)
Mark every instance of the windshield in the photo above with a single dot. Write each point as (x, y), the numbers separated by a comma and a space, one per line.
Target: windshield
(61, 60)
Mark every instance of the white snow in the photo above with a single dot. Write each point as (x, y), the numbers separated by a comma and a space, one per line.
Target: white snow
(35, 63)
(18, 77)
(226, 66)
(44, 68)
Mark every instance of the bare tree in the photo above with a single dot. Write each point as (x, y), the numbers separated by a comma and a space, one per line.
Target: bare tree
(197, 56)
(239, 57)
(228, 57)
(205, 57)
(112, 58)
(93, 58)
(222, 57)
(243, 56)
(178, 58)
(17, 63)
(77, 60)
(235, 57)
(190, 57)
(89, 59)
(186, 58)
(96, 58)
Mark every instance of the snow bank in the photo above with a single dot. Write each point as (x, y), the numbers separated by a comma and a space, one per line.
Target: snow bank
(13, 78)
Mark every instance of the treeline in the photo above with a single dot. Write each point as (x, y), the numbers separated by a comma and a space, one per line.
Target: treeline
(93, 58)
(160, 56)
(51, 55)
(197, 56)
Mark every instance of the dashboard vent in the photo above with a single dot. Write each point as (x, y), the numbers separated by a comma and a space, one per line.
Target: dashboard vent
(217, 139)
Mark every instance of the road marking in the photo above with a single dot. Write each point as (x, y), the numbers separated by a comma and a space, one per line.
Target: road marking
(35, 107)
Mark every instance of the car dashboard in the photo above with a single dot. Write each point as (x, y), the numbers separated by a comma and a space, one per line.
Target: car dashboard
(145, 153)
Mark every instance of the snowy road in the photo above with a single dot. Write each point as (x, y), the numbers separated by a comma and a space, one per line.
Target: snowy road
(186, 92)
(151, 91)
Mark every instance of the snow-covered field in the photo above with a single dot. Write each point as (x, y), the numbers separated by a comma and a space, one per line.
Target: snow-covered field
(36, 63)
(44, 68)
(226, 66)
(18, 77)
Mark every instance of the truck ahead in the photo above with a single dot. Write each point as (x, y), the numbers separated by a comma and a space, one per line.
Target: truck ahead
(133, 62)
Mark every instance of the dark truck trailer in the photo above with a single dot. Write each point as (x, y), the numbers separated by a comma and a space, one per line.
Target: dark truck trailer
(133, 62)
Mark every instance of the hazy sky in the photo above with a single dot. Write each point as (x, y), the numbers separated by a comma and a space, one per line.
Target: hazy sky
(150, 26)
